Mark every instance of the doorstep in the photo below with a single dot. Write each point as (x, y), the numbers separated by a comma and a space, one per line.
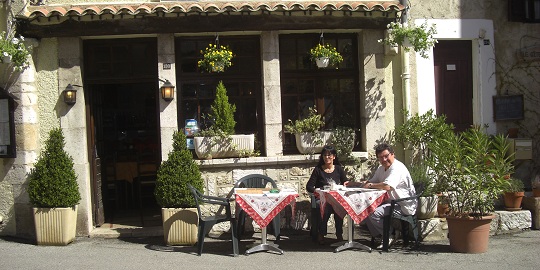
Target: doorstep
(120, 231)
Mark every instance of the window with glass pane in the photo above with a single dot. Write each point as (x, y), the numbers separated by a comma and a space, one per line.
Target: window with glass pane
(242, 80)
(333, 91)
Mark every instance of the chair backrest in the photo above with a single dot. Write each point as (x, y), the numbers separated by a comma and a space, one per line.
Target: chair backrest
(198, 198)
(147, 165)
(255, 181)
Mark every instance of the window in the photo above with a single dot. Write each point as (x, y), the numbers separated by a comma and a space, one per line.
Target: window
(7, 126)
(243, 82)
(524, 11)
(334, 92)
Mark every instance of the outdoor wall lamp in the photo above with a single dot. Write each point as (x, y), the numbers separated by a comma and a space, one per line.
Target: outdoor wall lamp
(167, 91)
(70, 95)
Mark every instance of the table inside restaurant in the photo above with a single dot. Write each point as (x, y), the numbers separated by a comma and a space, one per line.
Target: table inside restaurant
(262, 206)
(356, 203)
(126, 170)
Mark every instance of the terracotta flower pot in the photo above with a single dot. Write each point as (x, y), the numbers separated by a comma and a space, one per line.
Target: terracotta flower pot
(469, 235)
(512, 200)
(536, 192)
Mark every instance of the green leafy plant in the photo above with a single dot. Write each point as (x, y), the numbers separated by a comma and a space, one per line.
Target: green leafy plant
(13, 51)
(326, 50)
(223, 111)
(174, 175)
(421, 178)
(343, 140)
(471, 169)
(514, 185)
(216, 58)
(310, 124)
(419, 130)
(420, 37)
(53, 181)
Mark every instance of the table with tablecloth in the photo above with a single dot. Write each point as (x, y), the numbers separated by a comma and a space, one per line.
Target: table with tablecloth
(355, 203)
(262, 207)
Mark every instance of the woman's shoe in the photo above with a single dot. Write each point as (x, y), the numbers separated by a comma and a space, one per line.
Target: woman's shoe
(321, 240)
(339, 237)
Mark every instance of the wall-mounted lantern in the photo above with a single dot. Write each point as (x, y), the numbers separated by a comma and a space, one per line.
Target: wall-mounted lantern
(167, 91)
(70, 95)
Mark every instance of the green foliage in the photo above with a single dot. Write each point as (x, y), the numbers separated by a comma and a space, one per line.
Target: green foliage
(419, 130)
(13, 47)
(174, 175)
(223, 111)
(311, 124)
(343, 141)
(52, 181)
(420, 37)
(514, 185)
(470, 167)
(421, 178)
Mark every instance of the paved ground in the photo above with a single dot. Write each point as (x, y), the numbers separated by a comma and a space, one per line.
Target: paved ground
(517, 251)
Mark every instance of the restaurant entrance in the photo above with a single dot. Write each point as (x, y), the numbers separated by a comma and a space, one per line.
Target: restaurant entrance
(122, 100)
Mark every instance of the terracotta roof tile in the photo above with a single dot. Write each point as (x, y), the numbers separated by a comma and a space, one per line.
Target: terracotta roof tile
(205, 6)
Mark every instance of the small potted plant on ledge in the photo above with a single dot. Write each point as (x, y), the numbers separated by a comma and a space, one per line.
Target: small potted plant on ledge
(308, 135)
(54, 193)
(216, 58)
(219, 140)
(418, 38)
(324, 55)
(513, 194)
(13, 57)
(470, 168)
(172, 193)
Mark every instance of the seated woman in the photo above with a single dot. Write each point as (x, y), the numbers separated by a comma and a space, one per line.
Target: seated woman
(327, 171)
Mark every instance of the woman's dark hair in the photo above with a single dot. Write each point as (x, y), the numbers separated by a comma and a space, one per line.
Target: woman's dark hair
(328, 149)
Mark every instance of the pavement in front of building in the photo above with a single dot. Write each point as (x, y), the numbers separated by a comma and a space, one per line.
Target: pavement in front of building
(511, 251)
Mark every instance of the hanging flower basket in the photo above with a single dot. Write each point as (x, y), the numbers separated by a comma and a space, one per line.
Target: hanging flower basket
(325, 51)
(418, 38)
(216, 58)
(13, 52)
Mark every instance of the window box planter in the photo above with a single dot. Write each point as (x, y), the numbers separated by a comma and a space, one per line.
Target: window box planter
(224, 147)
(311, 143)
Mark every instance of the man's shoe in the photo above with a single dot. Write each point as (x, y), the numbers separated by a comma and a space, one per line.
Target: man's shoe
(391, 241)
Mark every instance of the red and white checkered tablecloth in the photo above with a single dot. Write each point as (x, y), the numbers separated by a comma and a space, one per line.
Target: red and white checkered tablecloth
(264, 207)
(358, 204)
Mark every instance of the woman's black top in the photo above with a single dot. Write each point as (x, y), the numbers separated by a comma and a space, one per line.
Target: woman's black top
(319, 178)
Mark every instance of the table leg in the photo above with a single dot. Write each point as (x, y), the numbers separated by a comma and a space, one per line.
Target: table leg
(264, 246)
(351, 244)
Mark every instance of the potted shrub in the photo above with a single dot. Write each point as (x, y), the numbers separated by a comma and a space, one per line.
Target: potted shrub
(219, 140)
(309, 137)
(54, 193)
(415, 134)
(343, 140)
(418, 38)
(216, 58)
(470, 167)
(513, 194)
(428, 200)
(324, 55)
(535, 183)
(172, 193)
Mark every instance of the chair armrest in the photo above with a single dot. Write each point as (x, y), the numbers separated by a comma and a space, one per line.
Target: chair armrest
(313, 200)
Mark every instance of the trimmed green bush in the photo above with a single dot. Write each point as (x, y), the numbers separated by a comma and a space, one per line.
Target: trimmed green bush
(174, 175)
(223, 111)
(53, 182)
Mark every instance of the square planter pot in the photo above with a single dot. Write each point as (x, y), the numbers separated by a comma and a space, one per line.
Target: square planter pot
(216, 147)
(180, 226)
(55, 226)
(310, 143)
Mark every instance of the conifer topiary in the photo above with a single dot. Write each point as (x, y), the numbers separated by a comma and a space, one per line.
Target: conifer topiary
(223, 111)
(175, 174)
(53, 181)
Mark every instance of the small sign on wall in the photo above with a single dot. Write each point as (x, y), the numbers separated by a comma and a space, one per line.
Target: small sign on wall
(508, 107)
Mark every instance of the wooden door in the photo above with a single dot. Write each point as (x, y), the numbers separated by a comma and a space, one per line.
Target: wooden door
(98, 214)
(453, 82)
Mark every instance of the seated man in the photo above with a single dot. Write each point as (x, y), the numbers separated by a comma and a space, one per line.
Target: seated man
(393, 177)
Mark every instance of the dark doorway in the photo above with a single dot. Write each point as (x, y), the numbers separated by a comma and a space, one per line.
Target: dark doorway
(453, 82)
(121, 90)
